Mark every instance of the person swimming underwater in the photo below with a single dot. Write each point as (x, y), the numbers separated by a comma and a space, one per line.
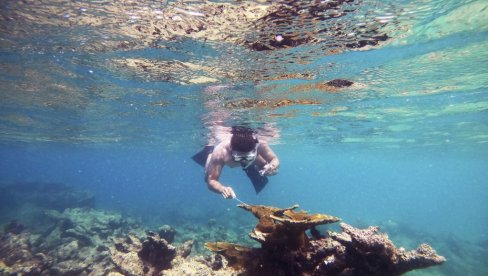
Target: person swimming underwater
(243, 150)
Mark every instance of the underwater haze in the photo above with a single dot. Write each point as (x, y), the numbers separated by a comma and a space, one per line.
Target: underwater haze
(377, 110)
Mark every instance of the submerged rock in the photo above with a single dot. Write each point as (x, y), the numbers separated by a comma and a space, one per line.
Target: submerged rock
(68, 251)
(68, 267)
(17, 258)
(157, 252)
(87, 226)
(13, 227)
(167, 232)
(152, 255)
(184, 250)
(287, 250)
(46, 195)
(339, 83)
(133, 257)
(74, 242)
(267, 103)
(394, 261)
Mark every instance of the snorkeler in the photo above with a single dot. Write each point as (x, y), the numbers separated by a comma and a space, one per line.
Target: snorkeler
(242, 149)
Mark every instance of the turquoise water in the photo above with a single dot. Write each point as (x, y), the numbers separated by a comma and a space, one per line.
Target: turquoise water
(405, 147)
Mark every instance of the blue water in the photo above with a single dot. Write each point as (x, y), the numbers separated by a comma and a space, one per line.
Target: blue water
(406, 150)
(440, 192)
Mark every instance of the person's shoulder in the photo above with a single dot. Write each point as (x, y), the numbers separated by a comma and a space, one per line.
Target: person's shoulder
(221, 150)
(263, 144)
(224, 145)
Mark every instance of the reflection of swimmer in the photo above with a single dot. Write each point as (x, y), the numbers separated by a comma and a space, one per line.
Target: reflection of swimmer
(242, 149)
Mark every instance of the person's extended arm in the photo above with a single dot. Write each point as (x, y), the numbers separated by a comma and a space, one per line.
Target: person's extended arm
(213, 171)
(272, 163)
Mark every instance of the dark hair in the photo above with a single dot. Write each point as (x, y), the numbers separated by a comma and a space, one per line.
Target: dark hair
(243, 139)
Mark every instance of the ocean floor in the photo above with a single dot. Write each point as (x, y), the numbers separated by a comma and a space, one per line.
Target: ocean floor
(53, 229)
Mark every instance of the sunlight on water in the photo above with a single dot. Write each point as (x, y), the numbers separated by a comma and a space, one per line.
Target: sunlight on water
(87, 72)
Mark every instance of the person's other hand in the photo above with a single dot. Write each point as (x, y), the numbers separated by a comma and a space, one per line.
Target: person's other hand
(268, 170)
(228, 193)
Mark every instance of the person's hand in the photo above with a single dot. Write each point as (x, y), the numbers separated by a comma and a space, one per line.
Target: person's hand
(228, 193)
(268, 170)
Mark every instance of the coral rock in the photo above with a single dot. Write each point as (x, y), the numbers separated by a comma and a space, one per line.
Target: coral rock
(197, 268)
(287, 250)
(375, 254)
(237, 256)
(284, 227)
(157, 252)
(16, 257)
(185, 249)
(134, 257)
(339, 83)
(267, 103)
(13, 227)
(124, 254)
(167, 232)
(214, 261)
(69, 267)
(68, 251)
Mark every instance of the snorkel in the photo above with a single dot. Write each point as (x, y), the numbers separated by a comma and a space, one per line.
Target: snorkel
(246, 164)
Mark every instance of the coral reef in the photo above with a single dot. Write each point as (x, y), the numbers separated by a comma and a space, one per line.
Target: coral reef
(287, 250)
(284, 228)
(16, 256)
(369, 252)
(153, 255)
(133, 257)
(87, 226)
(89, 242)
(212, 231)
(82, 241)
(73, 242)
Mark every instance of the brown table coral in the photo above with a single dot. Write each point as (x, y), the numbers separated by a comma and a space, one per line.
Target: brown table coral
(287, 250)
(284, 228)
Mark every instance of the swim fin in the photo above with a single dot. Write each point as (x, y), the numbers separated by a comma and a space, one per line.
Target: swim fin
(201, 157)
(258, 181)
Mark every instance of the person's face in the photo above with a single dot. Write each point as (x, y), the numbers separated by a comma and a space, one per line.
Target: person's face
(245, 158)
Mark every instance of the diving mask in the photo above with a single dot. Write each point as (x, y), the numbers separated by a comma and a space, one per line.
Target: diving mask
(245, 158)
(250, 156)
